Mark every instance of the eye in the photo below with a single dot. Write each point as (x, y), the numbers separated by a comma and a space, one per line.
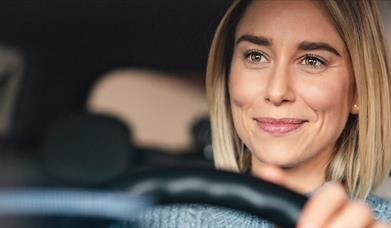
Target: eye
(313, 61)
(255, 57)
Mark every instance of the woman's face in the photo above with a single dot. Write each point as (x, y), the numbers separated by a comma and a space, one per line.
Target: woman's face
(290, 84)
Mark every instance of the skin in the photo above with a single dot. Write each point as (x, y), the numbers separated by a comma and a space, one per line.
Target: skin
(274, 75)
(280, 80)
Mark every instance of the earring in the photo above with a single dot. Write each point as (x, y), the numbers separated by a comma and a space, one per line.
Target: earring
(356, 108)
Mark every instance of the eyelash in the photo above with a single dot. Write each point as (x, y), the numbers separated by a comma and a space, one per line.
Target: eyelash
(313, 57)
(251, 53)
(308, 57)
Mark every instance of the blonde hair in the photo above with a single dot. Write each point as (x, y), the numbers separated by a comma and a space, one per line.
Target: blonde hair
(362, 156)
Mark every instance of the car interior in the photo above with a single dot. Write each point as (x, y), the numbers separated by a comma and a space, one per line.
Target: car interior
(93, 92)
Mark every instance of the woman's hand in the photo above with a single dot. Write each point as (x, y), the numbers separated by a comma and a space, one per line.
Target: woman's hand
(329, 206)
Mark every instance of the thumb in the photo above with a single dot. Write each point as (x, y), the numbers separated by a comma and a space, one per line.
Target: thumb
(272, 173)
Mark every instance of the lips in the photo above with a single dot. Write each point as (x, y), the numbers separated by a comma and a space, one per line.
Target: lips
(280, 126)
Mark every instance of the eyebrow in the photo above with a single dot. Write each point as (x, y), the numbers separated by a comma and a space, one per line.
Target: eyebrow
(259, 40)
(309, 46)
(305, 45)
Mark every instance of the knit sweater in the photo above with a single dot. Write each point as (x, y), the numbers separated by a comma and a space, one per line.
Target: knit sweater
(203, 216)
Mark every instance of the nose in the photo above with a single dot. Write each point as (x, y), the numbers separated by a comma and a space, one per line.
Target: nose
(279, 87)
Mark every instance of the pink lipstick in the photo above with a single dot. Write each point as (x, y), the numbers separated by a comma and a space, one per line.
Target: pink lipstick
(279, 127)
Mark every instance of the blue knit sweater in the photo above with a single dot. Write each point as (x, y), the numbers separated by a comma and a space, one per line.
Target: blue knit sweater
(203, 216)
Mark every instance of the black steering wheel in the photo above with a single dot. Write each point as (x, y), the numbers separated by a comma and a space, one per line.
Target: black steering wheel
(236, 191)
(159, 187)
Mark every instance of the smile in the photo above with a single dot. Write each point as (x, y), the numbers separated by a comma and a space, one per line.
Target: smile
(279, 127)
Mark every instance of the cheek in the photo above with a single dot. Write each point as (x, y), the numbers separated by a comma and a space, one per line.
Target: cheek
(243, 85)
(244, 89)
(329, 95)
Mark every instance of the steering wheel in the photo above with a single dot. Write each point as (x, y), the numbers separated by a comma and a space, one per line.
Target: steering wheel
(236, 191)
(160, 187)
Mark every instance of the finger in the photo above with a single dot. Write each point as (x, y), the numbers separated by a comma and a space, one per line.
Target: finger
(323, 206)
(381, 225)
(354, 214)
(272, 174)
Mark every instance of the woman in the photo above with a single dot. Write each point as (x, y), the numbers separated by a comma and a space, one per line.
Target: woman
(299, 95)
(301, 78)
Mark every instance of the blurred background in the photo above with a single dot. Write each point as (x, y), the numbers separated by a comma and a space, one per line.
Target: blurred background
(74, 74)
(94, 90)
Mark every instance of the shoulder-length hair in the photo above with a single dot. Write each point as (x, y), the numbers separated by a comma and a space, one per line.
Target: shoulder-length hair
(362, 156)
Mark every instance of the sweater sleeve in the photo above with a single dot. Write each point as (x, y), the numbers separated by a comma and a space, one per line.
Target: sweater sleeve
(381, 208)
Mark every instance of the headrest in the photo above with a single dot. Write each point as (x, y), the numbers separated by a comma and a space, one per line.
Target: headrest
(87, 149)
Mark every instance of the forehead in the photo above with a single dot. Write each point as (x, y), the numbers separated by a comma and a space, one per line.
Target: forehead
(296, 20)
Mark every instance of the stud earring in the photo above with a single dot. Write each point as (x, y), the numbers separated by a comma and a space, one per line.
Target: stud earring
(356, 108)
